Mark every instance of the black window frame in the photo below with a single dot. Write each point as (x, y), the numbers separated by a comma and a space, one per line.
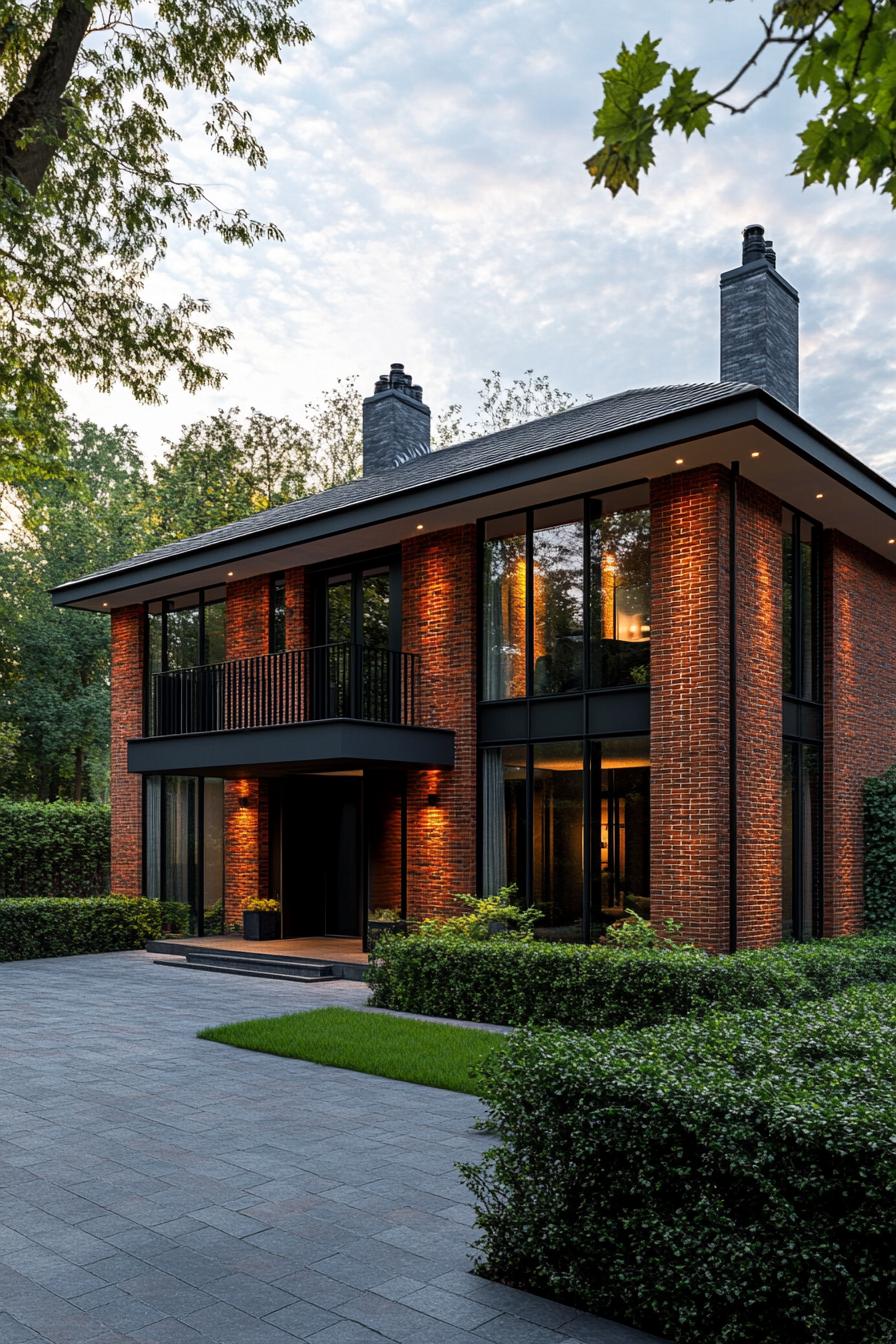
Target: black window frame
(592, 506)
(277, 613)
(591, 765)
(201, 603)
(354, 568)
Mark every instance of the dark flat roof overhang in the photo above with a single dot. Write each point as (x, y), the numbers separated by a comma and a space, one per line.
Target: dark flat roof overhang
(740, 427)
(332, 744)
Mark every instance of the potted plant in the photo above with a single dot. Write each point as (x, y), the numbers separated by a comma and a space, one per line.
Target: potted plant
(261, 919)
(384, 921)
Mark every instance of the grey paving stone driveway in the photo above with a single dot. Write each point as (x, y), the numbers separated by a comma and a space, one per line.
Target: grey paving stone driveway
(158, 1188)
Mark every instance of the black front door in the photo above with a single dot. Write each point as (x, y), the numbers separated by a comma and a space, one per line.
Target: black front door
(319, 863)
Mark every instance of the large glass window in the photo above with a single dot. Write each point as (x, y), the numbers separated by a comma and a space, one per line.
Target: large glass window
(620, 595)
(558, 839)
(800, 840)
(566, 597)
(184, 845)
(569, 824)
(277, 636)
(558, 616)
(800, 607)
(184, 631)
(504, 813)
(504, 585)
(620, 845)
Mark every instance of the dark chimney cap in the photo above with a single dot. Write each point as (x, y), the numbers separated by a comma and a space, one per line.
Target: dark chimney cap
(396, 380)
(754, 243)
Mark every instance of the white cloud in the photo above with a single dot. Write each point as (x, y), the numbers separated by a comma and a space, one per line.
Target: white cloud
(426, 167)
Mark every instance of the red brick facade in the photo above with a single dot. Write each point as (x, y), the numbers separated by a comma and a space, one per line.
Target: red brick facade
(689, 703)
(439, 623)
(859, 651)
(246, 810)
(126, 791)
(690, 739)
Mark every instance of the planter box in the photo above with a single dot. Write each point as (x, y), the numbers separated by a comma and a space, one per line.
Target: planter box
(376, 927)
(261, 924)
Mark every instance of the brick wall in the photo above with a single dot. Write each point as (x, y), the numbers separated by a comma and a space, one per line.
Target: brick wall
(299, 616)
(859, 725)
(246, 828)
(127, 721)
(759, 717)
(689, 704)
(439, 623)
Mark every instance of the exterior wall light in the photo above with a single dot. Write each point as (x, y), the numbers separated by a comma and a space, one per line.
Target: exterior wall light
(433, 799)
(245, 801)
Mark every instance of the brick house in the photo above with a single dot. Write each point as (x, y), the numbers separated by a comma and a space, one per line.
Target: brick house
(631, 655)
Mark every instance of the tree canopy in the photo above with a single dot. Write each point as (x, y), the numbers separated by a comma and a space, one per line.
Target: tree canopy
(841, 54)
(94, 98)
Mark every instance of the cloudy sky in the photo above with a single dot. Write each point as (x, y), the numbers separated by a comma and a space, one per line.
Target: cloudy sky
(426, 169)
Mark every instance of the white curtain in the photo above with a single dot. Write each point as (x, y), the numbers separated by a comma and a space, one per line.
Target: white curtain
(494, 823)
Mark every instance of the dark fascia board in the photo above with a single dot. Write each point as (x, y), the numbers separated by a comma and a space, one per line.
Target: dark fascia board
(328, 744)
(734, 412)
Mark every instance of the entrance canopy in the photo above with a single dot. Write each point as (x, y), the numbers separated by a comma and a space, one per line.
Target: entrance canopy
(330, 744)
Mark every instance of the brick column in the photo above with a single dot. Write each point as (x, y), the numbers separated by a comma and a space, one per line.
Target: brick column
(759, 716)
(689, 704)
(246, 811)
(439, 623)
(127, 653)
(859, 647)
(299, 617)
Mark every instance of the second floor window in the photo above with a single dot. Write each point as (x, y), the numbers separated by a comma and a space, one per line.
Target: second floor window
(277, 642)
(566, 597)
(801, 607)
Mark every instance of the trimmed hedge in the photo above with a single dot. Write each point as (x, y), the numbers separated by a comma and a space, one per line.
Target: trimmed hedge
(53, 849)
(515, 983)
(880, 850)
(728, 1181)
(61, 927)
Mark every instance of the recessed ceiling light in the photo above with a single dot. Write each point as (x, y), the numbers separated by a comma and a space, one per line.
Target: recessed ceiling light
(419, 527)
(892, 541)
(230, 573)
(679, 461)
(820, 495)
(105, 604)
(754, 454)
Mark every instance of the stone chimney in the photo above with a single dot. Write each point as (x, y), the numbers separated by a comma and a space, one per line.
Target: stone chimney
(395, 422)
(760, 323)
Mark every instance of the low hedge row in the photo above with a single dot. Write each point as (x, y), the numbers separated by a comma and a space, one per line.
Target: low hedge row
(61, 927)
(571, 985)
(724, 1181)
(53, 849)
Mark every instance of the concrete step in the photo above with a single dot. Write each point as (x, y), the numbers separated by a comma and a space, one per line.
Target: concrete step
(269, 970)
(226, 960)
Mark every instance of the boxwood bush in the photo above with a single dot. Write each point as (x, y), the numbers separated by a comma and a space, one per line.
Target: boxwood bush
(61, 927)
(880, 850)
(53, 849)
(724, 1181)
(515, 983)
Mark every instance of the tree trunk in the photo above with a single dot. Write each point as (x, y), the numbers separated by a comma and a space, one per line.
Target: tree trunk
(40, 103)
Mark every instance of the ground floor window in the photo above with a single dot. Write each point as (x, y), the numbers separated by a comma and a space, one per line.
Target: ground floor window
(800, 840)
(568, 823)
(184, 846)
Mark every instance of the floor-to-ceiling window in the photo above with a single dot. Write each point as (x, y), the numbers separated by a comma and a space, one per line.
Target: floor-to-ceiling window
(568, 824)
(184, 846)
(801, 913)
(183, 816)
(565, 640)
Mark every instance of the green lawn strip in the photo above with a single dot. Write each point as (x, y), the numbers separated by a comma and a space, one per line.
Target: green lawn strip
(391, 1047)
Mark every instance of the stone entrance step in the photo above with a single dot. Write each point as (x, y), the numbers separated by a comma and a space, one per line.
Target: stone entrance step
(258, 965)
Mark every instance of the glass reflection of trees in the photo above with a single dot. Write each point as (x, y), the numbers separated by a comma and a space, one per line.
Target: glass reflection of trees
(620, 598)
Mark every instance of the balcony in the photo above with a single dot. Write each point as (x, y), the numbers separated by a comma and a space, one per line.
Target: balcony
(326, 706)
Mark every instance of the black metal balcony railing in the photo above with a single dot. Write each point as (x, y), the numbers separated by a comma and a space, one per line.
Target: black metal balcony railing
(329, 681)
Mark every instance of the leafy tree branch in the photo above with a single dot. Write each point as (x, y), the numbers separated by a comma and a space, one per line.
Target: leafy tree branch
(843, 52)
